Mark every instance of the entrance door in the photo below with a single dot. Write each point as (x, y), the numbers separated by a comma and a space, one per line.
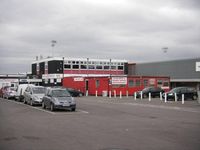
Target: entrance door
(86, 87)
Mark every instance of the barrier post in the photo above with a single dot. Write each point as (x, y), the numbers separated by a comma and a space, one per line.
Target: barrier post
(149, 96)
(183, 98)
(96, 93)
(120, 94)
(135, 95)
(110, 94)
(165, 97)
(161, 96)
(127, 94)
(175, 97)
(115, 94)
(198, 95)
(141, 95)
(86, 94)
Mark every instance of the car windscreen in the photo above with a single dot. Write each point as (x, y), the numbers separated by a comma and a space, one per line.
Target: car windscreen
(60, 93)
(38, 90)
(175, 90)
(146, 89)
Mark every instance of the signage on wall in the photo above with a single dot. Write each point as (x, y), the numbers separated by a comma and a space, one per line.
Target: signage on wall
(197, 66)
(152, 81)
(119, 80)
(78, 79)
(52, 76)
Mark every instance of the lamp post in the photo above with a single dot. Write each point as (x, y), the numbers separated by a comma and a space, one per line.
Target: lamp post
(53, 43)
(165, 49)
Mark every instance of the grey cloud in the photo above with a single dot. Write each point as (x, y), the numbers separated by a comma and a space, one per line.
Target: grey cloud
(124, 29)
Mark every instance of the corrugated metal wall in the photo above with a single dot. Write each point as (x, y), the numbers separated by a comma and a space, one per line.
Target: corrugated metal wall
(178, 69)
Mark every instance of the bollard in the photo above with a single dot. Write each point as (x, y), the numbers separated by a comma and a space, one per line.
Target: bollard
(175, 96)
(183, 98)
(165, 97)
(120, 94)
(135, 95)
(149, 96)
(110, 94)
(96, 93)
(86, 94)
(127, 94)
(141, 95)
(198, 94)
(161, 96)
(115, 94)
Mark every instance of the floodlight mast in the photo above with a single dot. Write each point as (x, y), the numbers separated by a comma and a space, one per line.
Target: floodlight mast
(53, 43)
(165, 49)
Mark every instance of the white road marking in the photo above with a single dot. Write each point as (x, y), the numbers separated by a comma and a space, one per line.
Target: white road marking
(78, 111)
(154, 106)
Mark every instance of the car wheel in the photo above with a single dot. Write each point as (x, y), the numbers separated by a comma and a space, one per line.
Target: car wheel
(24, 100)
(145, 95)
(52, 107)
(31, 103)
(43, 105)
(73, 109)
(194, 97)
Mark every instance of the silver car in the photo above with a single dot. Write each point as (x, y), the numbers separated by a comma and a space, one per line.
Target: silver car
(33, 95)
(58, 98)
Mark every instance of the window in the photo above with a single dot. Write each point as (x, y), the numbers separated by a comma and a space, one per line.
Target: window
(67, 66)
(130, 83)
(106, 67)
(113, 67)
(165, 83)
(159, 83)
(91, 67)
(75, 66)
(97, 83)
(120, 67)
(138, 82)
(83, 67)
(98, 67)
(145, 82)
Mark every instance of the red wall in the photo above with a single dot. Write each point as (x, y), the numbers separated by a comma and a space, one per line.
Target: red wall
(104, 84)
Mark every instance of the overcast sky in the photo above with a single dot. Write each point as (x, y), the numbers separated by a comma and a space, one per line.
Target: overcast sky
(135, 30)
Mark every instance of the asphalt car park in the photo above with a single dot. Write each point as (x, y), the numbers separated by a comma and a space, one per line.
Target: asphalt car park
(102, 123)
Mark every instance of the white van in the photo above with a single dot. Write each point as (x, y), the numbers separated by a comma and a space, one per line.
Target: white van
(20, 91)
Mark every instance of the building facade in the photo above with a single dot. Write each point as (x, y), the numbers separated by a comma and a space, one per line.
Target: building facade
(184, 72)
(94, 75)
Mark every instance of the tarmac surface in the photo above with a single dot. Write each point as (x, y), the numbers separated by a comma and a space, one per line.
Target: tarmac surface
(101, 123)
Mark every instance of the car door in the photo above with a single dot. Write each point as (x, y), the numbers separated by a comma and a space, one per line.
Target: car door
(190, 93)
(184, 91)
(26, 94)
(48, 98)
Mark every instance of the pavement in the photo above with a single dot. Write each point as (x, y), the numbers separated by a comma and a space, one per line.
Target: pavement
(102, 123)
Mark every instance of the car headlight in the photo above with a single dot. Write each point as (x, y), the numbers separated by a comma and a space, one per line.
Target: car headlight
(73, 101)
(56, 101)
(170, 94)
(36, 98)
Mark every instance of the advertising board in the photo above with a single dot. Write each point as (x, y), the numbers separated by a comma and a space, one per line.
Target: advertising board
(119, 80)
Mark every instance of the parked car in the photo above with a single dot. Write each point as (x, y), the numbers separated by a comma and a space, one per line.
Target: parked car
(58, 98)
(33, 95)
(20, 91)
(75, 93)
(155, 92)
(189, 93)
(2, 90)
(8, 92)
